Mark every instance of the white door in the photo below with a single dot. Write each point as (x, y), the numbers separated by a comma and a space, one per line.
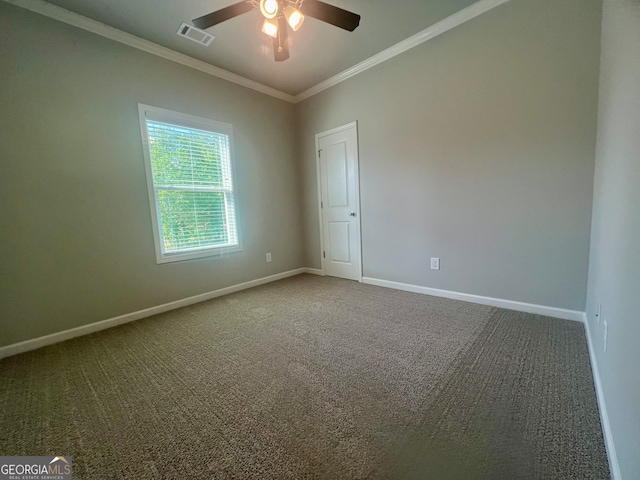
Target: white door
(340, 201)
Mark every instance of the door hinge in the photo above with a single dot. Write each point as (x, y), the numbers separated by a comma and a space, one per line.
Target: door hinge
(324, 255)
(321, 204)
(319, 152)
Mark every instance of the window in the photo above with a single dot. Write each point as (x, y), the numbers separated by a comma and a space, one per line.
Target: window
(189, 176)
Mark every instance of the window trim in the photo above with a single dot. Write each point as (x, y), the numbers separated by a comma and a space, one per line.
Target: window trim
(189, 121)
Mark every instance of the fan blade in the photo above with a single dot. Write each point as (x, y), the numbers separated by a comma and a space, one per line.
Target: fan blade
(281, 41)
(330, 14)
(223, 14)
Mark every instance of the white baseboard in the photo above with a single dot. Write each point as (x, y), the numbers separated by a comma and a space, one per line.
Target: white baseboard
(314, 271)
(494, 302)
(614, 466)
(32, 344)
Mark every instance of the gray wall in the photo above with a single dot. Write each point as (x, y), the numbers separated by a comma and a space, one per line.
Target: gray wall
(75, 226)
(476, 147)
(614, 275)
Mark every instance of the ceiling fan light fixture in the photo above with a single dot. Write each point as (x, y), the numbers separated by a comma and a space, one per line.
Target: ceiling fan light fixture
(294, 17)
(270, 28)
(281, 15)
(269, 8)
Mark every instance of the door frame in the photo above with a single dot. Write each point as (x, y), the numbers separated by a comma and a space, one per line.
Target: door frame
(352, 125)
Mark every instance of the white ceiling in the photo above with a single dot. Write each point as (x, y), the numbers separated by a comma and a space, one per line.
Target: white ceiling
(318, 50)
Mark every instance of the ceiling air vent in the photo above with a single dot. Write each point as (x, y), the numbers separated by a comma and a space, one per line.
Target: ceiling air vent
(195, 34)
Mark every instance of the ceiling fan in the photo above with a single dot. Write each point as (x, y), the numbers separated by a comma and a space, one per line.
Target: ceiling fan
(280, 15)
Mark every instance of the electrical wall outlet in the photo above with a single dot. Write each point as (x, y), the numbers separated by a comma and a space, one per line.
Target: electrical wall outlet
(268, 257)
(435, 263)
(606, 334)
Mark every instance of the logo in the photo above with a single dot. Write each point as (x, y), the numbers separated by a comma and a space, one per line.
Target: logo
(35, 468)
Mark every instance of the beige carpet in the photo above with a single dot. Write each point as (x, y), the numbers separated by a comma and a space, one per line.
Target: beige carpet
(313, 377)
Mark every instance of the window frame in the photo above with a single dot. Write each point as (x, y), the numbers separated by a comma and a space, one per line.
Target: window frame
(199, 123)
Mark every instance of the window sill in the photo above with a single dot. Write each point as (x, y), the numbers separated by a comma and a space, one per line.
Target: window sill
(196, 254)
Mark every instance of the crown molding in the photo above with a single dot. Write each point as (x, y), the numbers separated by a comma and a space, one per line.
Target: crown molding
(79, 21)
(93, 26)
(458, 18)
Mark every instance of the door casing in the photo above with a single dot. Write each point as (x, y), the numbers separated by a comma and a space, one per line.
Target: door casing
(353, 126)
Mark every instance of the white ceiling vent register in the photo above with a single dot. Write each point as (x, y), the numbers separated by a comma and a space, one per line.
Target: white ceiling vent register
(195, 34)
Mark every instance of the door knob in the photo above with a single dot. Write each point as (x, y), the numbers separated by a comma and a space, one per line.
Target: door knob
(352, 214)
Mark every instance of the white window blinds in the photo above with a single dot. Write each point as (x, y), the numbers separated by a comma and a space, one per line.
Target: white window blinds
(190, 168)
